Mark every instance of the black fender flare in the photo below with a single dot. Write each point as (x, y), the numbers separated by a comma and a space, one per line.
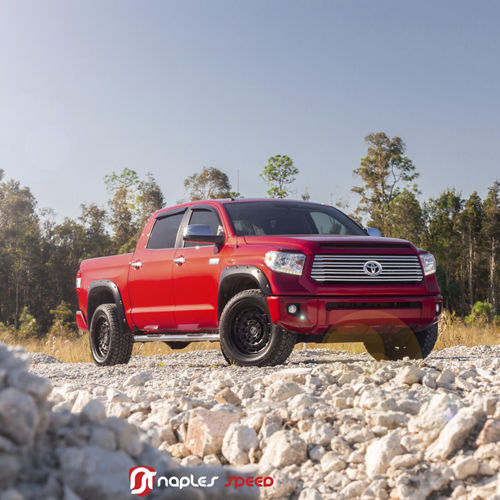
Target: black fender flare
(234, 273)
(99, 288)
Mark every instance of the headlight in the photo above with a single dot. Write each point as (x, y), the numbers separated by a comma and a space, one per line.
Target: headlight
(284, 262)
(428, 263)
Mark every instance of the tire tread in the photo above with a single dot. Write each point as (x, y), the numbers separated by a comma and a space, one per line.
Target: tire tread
(285, 339)
(121, 344)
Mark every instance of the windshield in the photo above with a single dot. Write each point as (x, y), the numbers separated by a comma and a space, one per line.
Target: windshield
(276, 218)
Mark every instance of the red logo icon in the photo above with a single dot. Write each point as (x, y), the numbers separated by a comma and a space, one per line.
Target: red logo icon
(141, 480)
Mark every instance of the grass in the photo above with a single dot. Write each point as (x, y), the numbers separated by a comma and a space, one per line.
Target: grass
(72, 348)
(75, 349)
(457, 333)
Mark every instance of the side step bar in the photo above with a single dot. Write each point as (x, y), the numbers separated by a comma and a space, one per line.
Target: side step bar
(185, 337)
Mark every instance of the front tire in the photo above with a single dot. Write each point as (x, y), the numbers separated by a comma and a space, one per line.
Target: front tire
(405, 343)
(247, 335)
(109, 345)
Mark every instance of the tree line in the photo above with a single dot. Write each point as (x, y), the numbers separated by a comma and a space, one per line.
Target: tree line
(39, 257)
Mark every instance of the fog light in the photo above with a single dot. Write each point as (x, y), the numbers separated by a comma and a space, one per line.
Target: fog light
(438, 307)
(292, 309)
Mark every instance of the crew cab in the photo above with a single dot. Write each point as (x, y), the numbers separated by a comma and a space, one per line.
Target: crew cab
(260, 275)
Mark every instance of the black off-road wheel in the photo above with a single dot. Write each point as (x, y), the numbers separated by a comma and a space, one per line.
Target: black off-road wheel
(404, 343)
(247, 335)
(109, 345)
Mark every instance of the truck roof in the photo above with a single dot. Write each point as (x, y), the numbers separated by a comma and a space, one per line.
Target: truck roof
(223, 201)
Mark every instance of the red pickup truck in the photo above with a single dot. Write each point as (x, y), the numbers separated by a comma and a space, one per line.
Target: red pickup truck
(259, 276)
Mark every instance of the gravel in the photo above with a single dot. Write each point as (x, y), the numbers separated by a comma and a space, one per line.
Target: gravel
(327, 424)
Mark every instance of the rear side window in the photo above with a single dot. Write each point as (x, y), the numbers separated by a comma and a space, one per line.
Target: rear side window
(164, 232)
(208, 218)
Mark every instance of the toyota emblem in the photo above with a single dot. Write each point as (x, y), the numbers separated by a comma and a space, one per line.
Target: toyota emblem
(372, 268)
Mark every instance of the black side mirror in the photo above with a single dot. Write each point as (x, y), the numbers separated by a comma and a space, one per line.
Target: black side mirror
(202, 233)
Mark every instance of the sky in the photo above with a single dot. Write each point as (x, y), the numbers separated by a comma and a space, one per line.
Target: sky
(168, 87)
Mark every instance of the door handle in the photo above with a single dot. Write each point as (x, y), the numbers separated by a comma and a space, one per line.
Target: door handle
(179, 260)
(137, 264)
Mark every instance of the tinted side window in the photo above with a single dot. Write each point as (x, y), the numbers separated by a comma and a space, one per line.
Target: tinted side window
(208, 218)
(164, 232)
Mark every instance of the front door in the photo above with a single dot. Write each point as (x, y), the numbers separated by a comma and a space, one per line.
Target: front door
(196, 277)
(150, 276)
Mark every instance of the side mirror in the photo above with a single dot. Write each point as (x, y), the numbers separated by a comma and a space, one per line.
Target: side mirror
(373, 232)
(201, 233)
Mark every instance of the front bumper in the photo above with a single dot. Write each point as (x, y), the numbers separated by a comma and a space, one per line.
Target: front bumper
(318, 315)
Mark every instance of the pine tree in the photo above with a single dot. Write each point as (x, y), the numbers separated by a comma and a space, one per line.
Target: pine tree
(279, 173)
(383, 171)
(491, 238)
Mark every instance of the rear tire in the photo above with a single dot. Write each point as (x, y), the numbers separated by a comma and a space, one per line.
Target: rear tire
(247, 335)
(109, 345)
(405, 343)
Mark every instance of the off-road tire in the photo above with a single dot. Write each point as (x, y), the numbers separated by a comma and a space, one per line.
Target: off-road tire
(109, 345)
(427, 339)
(404, 343)
(247, 335)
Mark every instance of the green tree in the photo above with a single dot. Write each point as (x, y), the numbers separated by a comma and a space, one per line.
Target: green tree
(21, 266)
(481, 313)
(383, 171)
(443, 239)
(406, 218)
(65, 245)
(97, 241)
(131, 203)
(209, 184)
(28, 326)
(469, 226)
(124, 190)
(64, 320)
(491, 241)
(149, 200)
(278, 174)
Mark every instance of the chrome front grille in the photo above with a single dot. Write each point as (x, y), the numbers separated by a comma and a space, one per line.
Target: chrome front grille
(329, 268)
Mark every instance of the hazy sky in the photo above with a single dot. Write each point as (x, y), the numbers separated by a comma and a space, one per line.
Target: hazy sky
(88, 87)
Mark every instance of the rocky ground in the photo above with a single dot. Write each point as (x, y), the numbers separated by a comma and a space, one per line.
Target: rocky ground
(326, 425)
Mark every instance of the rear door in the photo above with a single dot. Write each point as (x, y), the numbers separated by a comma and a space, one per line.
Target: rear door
(150, 276)
(196, 276)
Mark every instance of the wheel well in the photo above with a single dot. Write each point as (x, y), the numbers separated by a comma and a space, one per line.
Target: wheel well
(233, 285)
(98, 297)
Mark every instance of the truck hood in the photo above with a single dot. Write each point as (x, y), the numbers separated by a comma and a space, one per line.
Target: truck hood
(316, 242)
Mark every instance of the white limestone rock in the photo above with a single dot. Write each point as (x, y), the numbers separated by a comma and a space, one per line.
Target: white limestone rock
(18, 416)
(455, 432)
(381, 451)
(238, 441)
(284, 448)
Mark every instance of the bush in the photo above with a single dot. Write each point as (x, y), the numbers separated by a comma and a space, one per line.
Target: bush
(481, 314)
(64, 323)
(28, 327)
